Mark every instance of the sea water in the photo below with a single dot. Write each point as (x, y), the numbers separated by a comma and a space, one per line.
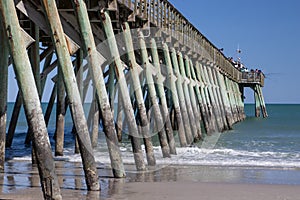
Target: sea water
(256, 143)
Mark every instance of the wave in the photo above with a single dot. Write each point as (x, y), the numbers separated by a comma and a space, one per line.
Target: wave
(198, 156)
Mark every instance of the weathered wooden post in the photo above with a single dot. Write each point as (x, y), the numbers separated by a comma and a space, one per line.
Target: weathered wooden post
(257, 103)
(114, 52)
(3, 92)
(79, 80)
(162, 97)
(189, 90)
(232, 93)
(179, 67)
(210, 93)
(99, 84)
(206, 97)
(136, 86)
(189, 125)
(263, 105)
(224, 96)
(33, 109)
(75, 103)
(60, 114)
(14, 120)
(153, 97)
(202, 98)
(219, 103)
(171, 78)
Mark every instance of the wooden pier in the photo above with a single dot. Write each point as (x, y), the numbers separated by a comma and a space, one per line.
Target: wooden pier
(167, 78)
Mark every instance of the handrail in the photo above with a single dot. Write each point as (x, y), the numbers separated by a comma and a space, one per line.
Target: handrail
(162, 14)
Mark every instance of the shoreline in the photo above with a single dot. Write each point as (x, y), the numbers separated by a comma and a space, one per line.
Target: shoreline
(21, 181)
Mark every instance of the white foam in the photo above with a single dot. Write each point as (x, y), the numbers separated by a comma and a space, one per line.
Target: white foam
(197, 156)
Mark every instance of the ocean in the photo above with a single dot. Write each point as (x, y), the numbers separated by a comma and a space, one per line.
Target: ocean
(257, 150)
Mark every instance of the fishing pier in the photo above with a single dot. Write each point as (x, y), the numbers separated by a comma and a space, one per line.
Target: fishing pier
(153, 75)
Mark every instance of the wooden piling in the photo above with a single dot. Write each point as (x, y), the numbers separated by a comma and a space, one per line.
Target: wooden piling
(262, 101)
(201, 98)
(219, 102)
(136, 86)
(189, 125)
(162, 97)
(58, 39)
(211, 96)
(171, 78)
(257, 103)
(32, 104)
(209, 101)
(224, 96)
(186, 73)
(187, 98)
(231, 99)
(153, 97)
(130, 118)
(3, 92)
(60, 114)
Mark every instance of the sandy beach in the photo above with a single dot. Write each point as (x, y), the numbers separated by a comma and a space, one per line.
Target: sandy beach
(21, 181)
(177, 191)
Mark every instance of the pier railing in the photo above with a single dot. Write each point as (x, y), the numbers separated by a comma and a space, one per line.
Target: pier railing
(253, 78)
(162, 14)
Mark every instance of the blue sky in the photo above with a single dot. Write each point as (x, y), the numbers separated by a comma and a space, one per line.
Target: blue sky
(267, 32)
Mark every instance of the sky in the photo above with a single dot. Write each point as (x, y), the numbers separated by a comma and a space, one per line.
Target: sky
(266, 31)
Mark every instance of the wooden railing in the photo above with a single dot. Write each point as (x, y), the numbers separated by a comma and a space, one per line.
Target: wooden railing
(162, 14)
(253, 78)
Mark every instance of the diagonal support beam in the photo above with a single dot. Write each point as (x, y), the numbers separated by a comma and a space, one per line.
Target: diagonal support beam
(95, 62)
(33, 109)
(62, 51)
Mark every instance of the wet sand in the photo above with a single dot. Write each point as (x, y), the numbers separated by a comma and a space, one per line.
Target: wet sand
(21, 181)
